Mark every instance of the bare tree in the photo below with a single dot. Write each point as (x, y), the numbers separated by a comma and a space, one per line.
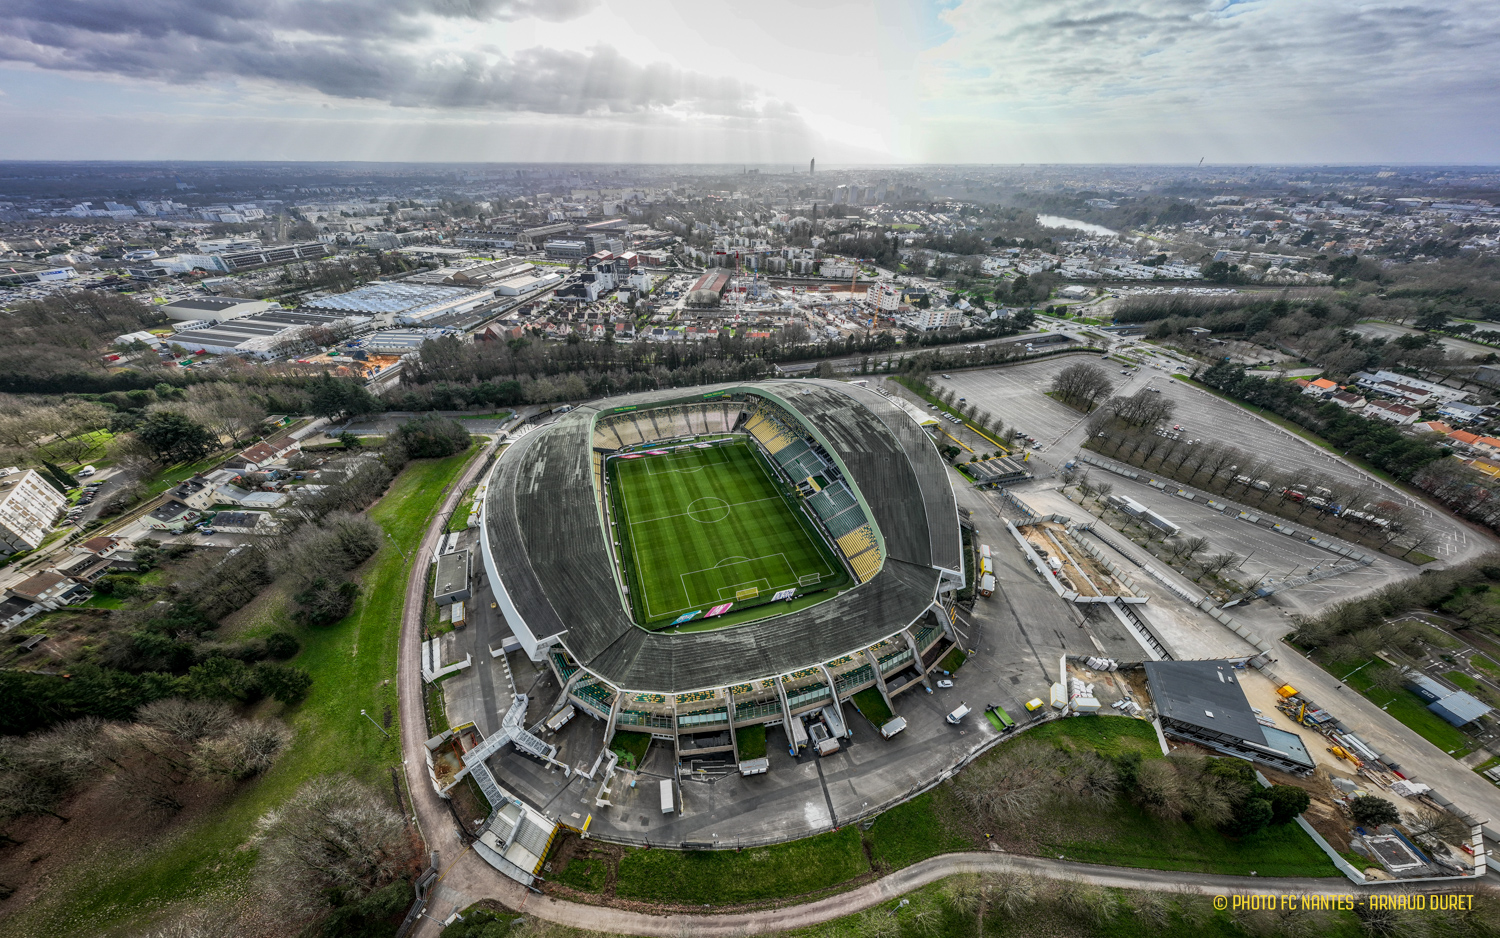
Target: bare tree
(1082, 385)
(332, 842)
(247, 748)
(1218, 563)
(1432, 825)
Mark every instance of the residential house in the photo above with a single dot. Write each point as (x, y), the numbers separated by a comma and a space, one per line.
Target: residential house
(49, 589)
(1485, 466)
(245, 522)
(234, 495)
(1433, 426)
(1410, 390)
(1348, 401)
(196, 493)
(15, 610)
(171, 516)
(263, 455)
(1390, 412)
(1320, 387)
(1461, 413)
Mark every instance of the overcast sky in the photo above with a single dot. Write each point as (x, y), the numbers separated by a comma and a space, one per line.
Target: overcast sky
(866, 81)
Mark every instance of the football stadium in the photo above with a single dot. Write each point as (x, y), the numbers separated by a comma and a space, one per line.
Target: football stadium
(695, 561)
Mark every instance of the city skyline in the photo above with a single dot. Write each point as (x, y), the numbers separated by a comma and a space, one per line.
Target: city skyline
(976, 81)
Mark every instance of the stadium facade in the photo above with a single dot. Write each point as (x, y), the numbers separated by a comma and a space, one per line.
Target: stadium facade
(886, 508)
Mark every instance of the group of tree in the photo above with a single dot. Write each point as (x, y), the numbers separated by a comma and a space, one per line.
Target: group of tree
(1082, 385)
(1263, 483)
(335, 858)
(150, 760)
(1024, 777)
(316, 559)
(429, 437)
(1353, 630)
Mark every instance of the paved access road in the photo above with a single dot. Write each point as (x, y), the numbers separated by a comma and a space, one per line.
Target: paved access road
(886, 890)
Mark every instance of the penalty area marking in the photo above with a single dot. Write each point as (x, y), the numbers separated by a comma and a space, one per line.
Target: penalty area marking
(694, 460)
(709, 578)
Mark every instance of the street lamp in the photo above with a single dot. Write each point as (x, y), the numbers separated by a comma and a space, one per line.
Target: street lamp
(398, 547)
(1365, 665)
(374, 724)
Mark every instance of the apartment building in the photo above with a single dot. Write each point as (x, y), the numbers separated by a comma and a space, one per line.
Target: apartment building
(28, 506)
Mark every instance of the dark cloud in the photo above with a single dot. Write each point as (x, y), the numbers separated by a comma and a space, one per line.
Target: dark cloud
(383, 50)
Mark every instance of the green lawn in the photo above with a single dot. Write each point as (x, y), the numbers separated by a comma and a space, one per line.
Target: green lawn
(1126, 835)
(953, 660)
(174, 474)
(702, 527)
(752, 742)
(912, 832)
(353, 664)
(1406, 707)
(585, 873)
(873, 706)
(1484, 664)
(726, 876)
(1462, 681)
(631, 747)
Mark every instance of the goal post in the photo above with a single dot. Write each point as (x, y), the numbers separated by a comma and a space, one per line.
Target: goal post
(749, 592)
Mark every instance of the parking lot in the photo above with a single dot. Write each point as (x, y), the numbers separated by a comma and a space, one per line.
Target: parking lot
(1266, 553)
(1016, 393)
(1204, 416)
(1390, 330)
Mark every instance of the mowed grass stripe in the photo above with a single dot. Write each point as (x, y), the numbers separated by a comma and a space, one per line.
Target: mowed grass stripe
(740, 513)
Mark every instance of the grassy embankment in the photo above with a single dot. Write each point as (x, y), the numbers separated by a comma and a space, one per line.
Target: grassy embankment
(353, 664)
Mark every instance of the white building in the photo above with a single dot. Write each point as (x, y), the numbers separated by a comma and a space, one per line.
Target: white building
(837, 269)
(28, 506)
(1390, 412)
(937, 318)
(214, 308)
(884, 296)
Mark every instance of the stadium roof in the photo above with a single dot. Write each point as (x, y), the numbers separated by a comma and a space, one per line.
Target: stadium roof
(546, 540)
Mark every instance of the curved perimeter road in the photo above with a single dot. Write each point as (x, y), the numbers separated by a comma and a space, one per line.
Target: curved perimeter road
(466, 879)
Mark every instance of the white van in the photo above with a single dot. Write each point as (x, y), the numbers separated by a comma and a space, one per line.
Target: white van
(85, 472)
(668, 799)
(892, 727)
(958, 715)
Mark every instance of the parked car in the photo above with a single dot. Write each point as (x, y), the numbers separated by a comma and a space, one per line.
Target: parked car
(945, 683)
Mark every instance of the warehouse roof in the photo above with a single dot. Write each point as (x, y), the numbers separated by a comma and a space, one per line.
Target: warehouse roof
(1203, 693)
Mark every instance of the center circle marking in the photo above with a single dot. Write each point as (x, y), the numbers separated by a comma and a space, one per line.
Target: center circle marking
(708, 509)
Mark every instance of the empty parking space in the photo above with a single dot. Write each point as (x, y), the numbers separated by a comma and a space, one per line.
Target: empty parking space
(1212, 419)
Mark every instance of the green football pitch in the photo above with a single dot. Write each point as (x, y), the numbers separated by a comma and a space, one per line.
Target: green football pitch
(702, 527)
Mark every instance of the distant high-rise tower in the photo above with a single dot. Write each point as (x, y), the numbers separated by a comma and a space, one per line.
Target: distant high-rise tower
(812, 166)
